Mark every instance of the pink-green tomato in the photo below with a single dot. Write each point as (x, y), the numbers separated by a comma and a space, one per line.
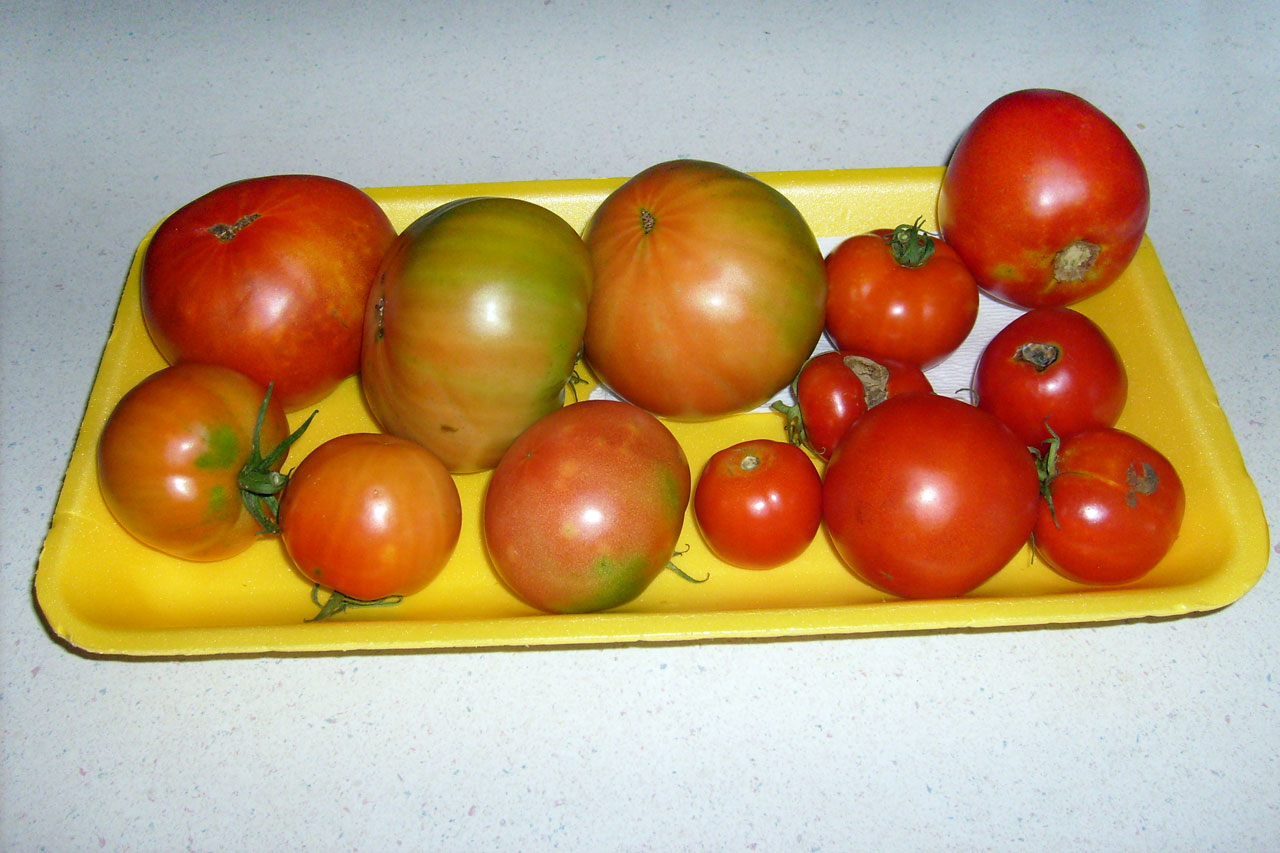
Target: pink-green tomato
(473, 327)
(586, 507)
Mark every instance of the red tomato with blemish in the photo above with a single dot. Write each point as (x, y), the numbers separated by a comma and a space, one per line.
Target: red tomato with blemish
(758, 503)
(834, 389)
(585, 508)
(1113, 507)
(1051, 369)
(1045, 199)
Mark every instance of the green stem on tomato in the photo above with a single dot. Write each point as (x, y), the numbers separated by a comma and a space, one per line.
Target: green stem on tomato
(911, 245)
(672, 567)
(338, 602)
(260, 485)
(795, 422)
(1047, 469)
(575, 379)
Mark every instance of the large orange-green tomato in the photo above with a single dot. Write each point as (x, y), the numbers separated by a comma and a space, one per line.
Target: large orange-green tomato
(709, 291)
(473, 327)
(585, 509)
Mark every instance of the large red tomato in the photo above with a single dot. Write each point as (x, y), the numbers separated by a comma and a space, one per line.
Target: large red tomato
(834, 389)
(267, 276)
(927, 496)
(177, 464)
(1045, 198)
(1113, 507)
(370, 516)
(758, 503)
(899, 294)
(709, 290)
(586, 506)
(1051, 370)
(474, 326)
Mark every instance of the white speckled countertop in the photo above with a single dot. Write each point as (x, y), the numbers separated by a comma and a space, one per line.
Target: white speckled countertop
(1140, 736)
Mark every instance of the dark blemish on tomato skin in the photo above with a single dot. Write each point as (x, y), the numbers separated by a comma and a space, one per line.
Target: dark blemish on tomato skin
(226, 233)
(1041, 356)
(379, 309)
(448, 428)
(1144, 482)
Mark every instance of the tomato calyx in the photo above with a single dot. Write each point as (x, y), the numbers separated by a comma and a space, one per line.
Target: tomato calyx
(1047, 469)
(338, 602)
(647, 220)
(911, 245)
(260, 485)
(794, 425)
(1074, 260)
(1040, 356)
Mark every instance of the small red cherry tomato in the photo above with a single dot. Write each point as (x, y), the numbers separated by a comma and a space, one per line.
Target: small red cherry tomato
(758, 503)
(370, 516)
(927, 496)
(900, 294)
(834, 389)
(1113, 507)
(1051, 365)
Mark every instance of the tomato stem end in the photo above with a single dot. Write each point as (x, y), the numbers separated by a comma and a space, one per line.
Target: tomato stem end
(260, 484)
(338, 602)
(911, 245)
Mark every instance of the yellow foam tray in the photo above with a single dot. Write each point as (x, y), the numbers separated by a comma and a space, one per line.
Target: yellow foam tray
(103, 592)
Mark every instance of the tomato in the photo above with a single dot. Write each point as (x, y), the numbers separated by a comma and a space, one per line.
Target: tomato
(178, 466)
(267, 276)
(1051, 368)
(586, 506)
(1045, 198)
(927, 496)
(758, 503)
(1113, 507)
(834, 389)
(370, 515)
(709, 290)
(474, 326)
(899, 294)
